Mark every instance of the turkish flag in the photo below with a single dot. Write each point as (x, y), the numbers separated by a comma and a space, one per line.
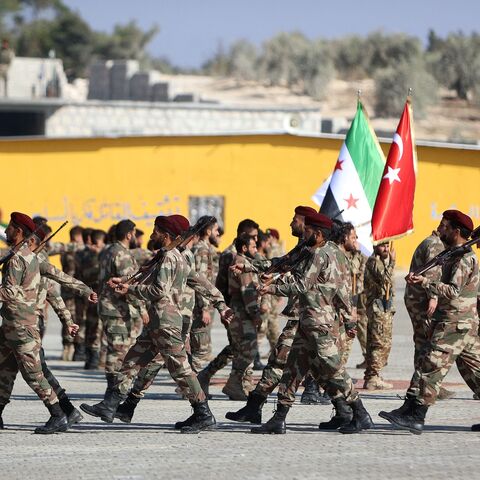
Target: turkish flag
(393, 211)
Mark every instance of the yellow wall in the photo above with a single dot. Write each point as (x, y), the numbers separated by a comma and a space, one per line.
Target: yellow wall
(95, 182)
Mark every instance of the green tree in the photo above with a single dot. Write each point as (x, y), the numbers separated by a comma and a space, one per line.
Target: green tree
(317, 69)
(242, 61)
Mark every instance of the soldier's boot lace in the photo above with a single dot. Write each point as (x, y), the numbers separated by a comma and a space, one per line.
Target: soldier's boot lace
(276, 425)
(412, 420)
(106, 409)
(56, 423)
(126, 409)
(202, 419)
(361, 419)
(251, 412)
(343, 415)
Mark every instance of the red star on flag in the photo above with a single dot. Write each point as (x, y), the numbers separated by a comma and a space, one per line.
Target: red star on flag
(338, 165)
(351, 202)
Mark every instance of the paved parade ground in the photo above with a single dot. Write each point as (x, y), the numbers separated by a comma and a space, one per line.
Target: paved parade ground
(150, 448)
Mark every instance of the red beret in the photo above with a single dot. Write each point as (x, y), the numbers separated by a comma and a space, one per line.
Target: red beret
(318, 220)
(304, 211)
(459, 218)
(23, 221)
(273, 232)
(182, 223)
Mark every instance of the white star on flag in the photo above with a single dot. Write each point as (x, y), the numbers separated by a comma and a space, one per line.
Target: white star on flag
(392, 175)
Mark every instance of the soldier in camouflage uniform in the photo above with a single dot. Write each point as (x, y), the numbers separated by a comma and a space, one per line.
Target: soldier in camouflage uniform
(421, 305)
(118, 312)
(163, 335)
(244, 301)
(379, 292)
(89, 272)
(454, 336)
(225, 261)
(272, 373)
(200, 336)
(318, 285)
(19, 334)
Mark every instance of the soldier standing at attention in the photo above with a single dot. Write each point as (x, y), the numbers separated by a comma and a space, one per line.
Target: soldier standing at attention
(200, 334)
(314, 349)
(164, 333)
(20, 341)
(379, 293)
(454, 336)
(118, 312)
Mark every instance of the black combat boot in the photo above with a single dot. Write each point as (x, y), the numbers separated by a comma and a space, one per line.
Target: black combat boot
(1, 420)
(202, 419)
(476, 427)
(79, 355)
(276, 424)
(72, 414)
(311, 393)
(126, 409)
(361, 419)
(106, 409)
(251, 412)
(402, 409)
(343, 415)
(412, 420)
(56, 423)
(257, 362)
(92, 359)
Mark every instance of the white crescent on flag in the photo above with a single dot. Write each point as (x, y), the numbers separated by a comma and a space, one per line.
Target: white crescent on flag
(398, 140)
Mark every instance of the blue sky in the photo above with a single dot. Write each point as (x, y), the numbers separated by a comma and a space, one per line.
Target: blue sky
(191, 30)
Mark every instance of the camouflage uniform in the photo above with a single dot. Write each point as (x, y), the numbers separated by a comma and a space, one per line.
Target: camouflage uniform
(117, 312)
(141, 255)
(318, 283)
(380, 311)
(454, 336)
(164, 332)
(244, 301)
(416, 301)
(200, 335)
(72, 303)
(19, 334)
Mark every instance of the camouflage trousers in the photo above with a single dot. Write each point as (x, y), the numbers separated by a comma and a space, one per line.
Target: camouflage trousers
(344, 345)
(243, 335)
(20, 351)
(315, 349)
(362, 329)
(270, 328)
(165, 340)
(422, 330)
(93, 328)
(379, 341)
(67, 339)
(147, 374)
(451, 342)
(117, 332)
(200, 341)
(277, 360)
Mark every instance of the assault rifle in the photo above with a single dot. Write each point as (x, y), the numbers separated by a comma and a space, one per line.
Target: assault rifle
(450, 253)
(46, 240)
(144, 272)
(19, 245)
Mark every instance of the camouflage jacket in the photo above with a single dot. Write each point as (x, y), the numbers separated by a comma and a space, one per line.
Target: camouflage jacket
(187, 301)
(226, 259)
(67, 260)
(378, 281)
(242, 290)
(88, 267)
(203, 254)
(357, 261)
(429, 248)
(19, 288)
(267, 302)
(48, 291)
(166, 286)
(117, 261)
(319, 283)
(141, 255)
(457, 289)
(57, 248)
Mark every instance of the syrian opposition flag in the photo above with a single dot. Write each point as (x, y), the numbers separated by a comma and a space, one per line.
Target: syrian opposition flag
(393, 212)
(349, 194)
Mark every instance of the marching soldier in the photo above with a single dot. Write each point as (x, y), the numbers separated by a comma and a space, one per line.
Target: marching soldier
(454, 335)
